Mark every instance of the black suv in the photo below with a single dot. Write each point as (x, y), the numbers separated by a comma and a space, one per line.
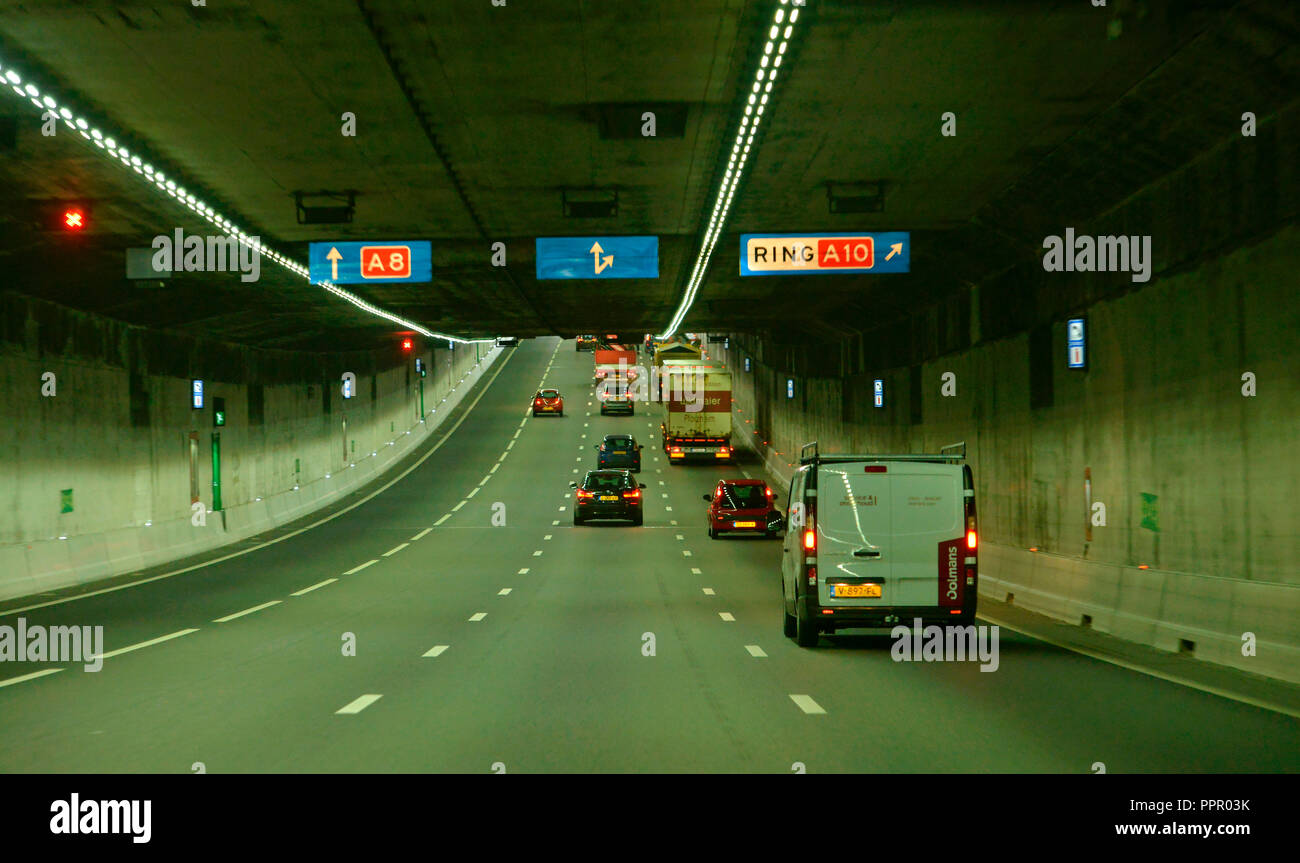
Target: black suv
(607, 494)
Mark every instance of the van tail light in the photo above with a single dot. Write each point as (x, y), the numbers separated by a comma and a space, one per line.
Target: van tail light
(812, 575)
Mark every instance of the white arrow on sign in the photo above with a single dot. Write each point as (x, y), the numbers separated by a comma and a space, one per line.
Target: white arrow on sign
(334, 257)
(596, 252)
(896, 249)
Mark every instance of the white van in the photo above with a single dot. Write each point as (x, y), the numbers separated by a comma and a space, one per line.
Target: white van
(878, 540)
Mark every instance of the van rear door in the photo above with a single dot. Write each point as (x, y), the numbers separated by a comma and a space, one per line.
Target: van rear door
(883, 529)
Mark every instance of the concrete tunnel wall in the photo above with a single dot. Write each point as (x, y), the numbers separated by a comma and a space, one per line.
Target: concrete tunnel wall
(117, 434)
(1160, 411)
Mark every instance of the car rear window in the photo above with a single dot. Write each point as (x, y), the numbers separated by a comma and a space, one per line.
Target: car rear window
(606, 481)
(742, 497)
(550, 394)
(619, 442)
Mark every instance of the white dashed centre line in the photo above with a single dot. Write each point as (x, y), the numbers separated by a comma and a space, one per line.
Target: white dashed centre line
(313, 587)
(695, 570)
(436, 650)
(229, 617)
(562, 509)
(755, 651)
(708, 591)
(806, 704)
(537, 553)
(472, 493)
(477, 616)
(422, 534)
(359, 705)
(726, 615)
(505, 591)
(523, 571)
(548, 536)
(685, 553)
(439, 522)
(679, 536)
(509, 447)
(554, 523)
(517, 431)
(494, 468)
(458, 506)
(159, 640)
(668, 509)
(393, 551)
(357, 569)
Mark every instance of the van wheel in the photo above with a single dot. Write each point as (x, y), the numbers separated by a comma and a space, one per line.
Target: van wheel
(787, 621)
(806, 633)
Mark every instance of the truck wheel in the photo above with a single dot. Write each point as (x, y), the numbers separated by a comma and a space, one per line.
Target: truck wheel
(787, 622)
(806, 634)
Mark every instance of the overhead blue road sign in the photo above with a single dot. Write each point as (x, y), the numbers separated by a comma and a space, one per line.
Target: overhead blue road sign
(800, 254)
(597, 257)
(371, 262)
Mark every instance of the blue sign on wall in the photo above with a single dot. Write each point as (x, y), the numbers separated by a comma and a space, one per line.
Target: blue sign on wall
(371, 262)
(746, 363)
(597, 257)
(1075, 356)
(789, 388)
(196, 395)
(879, 395)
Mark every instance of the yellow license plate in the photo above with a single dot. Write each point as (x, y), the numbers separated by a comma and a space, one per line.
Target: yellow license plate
(844, 590)
(620, 452)
(746, 524)
(609, 497)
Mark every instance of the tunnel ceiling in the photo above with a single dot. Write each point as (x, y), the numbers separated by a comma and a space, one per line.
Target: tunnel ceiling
(471, 119)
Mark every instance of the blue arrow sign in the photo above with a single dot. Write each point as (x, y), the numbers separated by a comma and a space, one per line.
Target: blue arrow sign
(597, 257)
(371, 262)
(821, 254)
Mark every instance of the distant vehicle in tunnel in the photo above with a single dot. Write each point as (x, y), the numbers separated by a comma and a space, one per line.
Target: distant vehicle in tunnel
(697, 403)
(585, 343)
(608, 494)
(615, 397)
(508, 342)
(619, 451)
(879, 540)
(743, 506)
(548, 401)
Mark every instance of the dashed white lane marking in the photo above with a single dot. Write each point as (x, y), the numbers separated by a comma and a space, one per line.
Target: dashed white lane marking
(439, 522)
(472, 493)
(673, 520)
(422, 534)
(436, 650)
(517, 431)
(679, 536)
(585, 425)
(35, 674)
(313, 587)
(494, 467)
(485, 479)
(562, 509)
(554, 523)
(359, 705)
(505, 591)
(537, 553)
(726, 615)
(548, 536)
(685, 553)
(458, 506)
(357, 569)
(695, 570)
(159, 640)
(708, 591)
(579, 458)
(668, 509)
(575, 470)
(393, 551)
(477, 616)
(806, 704)
(509, 447)
(661, 482)
(584, 437)
(523, 571)
(755, 651)
(229, 617)
(522, 421)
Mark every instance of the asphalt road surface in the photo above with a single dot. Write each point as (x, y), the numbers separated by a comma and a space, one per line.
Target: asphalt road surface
(523, 647)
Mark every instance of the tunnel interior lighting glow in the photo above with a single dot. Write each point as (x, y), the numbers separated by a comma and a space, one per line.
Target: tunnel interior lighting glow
(72, 120)
(732, 176)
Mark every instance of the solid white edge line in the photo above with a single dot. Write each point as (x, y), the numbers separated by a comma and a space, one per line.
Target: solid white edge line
(8, 611)
(230, 617)
(35, 674)
(313, 587)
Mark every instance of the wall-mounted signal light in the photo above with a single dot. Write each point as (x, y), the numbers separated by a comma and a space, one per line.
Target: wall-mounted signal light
(406, 344)
(74, 219)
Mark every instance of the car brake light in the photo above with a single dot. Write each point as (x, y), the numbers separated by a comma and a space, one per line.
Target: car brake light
(537, 401)
(809, 540)
(634, 493)
(585, 494)
(676, 449)
(767, 491)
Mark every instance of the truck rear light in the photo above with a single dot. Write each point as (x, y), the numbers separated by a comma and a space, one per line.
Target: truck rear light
(971, 539)
(809, 540)
(876, 468)
(812, 576)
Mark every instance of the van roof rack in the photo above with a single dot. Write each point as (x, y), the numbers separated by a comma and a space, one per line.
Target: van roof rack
(809, 454)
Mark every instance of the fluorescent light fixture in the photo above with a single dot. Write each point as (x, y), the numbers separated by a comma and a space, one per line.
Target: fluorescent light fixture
(735, 170)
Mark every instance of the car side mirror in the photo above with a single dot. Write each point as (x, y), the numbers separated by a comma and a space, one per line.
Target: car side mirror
(573, 485)
(708, 497)
(640, 446)
(641, 484)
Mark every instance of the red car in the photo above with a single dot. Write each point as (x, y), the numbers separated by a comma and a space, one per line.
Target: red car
(548, 401)
(744, 506)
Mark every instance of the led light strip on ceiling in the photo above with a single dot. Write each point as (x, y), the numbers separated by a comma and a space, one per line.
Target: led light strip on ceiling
(778, 39)
(11, 79)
